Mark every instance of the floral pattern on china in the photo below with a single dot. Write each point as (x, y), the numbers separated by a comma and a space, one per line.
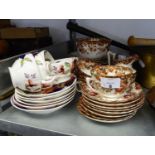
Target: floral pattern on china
(41, 72)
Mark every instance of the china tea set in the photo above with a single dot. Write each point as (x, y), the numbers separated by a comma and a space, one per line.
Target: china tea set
(42, 84)
(109, 93)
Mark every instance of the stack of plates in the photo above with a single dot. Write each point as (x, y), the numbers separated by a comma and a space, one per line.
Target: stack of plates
(39, 103)
(110, 110)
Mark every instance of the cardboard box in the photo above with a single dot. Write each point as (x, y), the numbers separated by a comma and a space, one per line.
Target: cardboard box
(5, 23)
(23, 33)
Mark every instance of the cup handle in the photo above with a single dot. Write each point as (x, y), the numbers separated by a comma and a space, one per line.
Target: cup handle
(89, 85)
(50, 81)
(78, 86)
(109, 54)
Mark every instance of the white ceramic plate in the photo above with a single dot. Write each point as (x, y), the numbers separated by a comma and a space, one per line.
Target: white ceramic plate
(98, 97)
(54, 94)
(41, 112)
(43, 106)
(43, 100)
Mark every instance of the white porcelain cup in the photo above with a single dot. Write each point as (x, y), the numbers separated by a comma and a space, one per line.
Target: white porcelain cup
(25, 74)
(17, 63)
(43, 60)
(62, 66)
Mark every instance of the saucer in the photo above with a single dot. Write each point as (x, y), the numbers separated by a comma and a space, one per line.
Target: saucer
(42, 111)
(102, 119)
(129, 96)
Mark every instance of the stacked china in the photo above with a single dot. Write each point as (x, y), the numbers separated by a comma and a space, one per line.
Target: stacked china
(92, 52)
(111, 94)
(42, 84)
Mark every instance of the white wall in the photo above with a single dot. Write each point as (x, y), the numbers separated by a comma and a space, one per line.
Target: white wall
(119, 29)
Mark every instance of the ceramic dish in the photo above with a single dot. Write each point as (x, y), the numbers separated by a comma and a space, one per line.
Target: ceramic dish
(85, 66)
(43, 59)
(41, 73)
(63, 66)
(40, 112)
(133, 94)
(54, 94)
(114, 109)
(97, 87)
(112, 81)
(37, 100)
(55, 83)
(52, 105)
(104, 113)
(121, 110)
(114, 104)
(112, 72)
(128, 61)
(102, 119)
(45, 103)
(30, 79)
(92, 48)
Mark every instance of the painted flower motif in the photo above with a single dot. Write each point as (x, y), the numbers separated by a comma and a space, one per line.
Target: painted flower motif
(33, 76)
(25, 59)
(38, 62)
(67, 64)
(53, 69)
(26, 75)
(30, 76)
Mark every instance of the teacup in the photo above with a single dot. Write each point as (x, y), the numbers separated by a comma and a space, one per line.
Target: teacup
(92, 48)
(17, 63)
(113, 71)
(62, 66)
(115, 92)
(25, 75)
(43, 60)
(112, 81)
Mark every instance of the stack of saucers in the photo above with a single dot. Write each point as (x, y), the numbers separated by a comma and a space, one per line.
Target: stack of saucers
(42, 84)
(108, 104)
(109, 110)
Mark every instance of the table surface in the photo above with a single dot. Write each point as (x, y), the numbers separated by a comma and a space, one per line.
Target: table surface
(68, 121)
